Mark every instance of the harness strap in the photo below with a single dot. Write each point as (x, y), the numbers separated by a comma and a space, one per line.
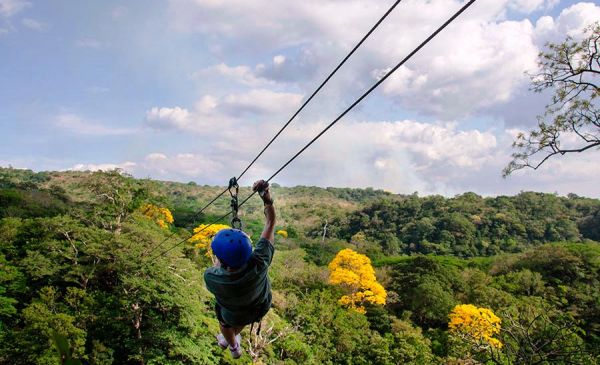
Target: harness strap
(258, 328)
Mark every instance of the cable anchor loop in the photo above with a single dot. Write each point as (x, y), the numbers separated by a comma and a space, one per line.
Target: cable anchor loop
(234, 188)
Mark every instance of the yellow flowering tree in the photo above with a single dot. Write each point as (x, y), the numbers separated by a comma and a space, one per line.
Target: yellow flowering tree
(282, 233)
(162, 216)
(354, 272)
(203, 235)
(476, 326)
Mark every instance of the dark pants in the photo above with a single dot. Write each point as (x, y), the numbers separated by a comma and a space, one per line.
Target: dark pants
(259, 314)
(220, 317)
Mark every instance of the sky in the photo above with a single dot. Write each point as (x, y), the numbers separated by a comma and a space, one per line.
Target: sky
(191, 90)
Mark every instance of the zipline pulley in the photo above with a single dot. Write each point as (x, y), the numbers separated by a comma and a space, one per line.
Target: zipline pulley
(234, 188)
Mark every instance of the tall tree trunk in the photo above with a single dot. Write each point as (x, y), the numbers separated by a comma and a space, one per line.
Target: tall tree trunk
(137, 324)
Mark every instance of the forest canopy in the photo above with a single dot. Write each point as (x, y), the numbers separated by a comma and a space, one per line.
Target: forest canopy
(75, 265)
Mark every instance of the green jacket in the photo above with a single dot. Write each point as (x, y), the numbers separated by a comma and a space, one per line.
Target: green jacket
(244, 295)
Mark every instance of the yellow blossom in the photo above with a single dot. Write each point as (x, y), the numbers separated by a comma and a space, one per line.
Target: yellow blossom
(282, 233)
(162, 216)
(354, 272)
(203, 235)
(475, 324)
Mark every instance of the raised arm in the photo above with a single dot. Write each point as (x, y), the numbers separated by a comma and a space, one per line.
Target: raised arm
(262, 187)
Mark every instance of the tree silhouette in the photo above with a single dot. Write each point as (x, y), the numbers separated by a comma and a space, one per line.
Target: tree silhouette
(571, 123)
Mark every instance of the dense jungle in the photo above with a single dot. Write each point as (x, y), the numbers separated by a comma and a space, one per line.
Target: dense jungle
(102, 268)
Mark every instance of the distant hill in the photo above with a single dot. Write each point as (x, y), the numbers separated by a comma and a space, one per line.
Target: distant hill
(465, 225)
(301, 206)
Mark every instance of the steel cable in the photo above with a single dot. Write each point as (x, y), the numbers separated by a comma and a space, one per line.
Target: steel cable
(364, 38)
(364, 95)
(320, 86)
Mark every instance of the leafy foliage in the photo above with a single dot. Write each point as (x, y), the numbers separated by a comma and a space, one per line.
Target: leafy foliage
(571, 70)
(467, 225)
(82, 275)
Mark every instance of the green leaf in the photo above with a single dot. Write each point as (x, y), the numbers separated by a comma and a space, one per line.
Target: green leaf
(62, 345)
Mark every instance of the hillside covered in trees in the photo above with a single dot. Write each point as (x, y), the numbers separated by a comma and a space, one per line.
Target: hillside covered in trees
(469, 225)
(463, 280)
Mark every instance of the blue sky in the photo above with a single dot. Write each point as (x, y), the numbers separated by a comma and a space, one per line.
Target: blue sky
(190, 91)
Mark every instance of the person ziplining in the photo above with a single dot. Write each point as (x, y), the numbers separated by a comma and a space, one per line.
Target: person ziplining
(239, 278)
(318, 136)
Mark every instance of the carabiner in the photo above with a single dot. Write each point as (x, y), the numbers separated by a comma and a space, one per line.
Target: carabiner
(236, 223)
(233, 184)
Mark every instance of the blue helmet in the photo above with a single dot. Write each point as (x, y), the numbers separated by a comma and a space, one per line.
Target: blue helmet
(232, 246)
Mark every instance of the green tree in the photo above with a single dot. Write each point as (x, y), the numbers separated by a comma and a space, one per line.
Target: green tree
(533, 333)
(426, 289)
(116, 197)
(570, 69)
(589, 226)
(408, 345)
(93, 284)
(336, 335)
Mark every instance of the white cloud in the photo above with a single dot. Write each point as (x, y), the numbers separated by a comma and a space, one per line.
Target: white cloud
(207, 104)
(127, 166)
(476, 67)
(278, 60)
(283, 69)
(210, 16)
(78, 125)
(261, 101)
(206, 118)
(156, 157)
(402, 156)
(576, 173)
(165, 118)
(183, 166)
(439, 158)
(221, 113)
(571, 22)
(453, 78)
(476, 62)
(9, 8)
(279, 70)
(479, 62)
(241, 74)
(180, 167)
(529, 6)
(34, 24)
(432, 143)
(269, 53)
(524, 105)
